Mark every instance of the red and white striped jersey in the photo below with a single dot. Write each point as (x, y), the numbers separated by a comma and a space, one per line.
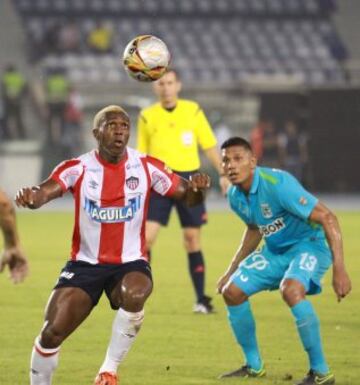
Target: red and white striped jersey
(111, 203)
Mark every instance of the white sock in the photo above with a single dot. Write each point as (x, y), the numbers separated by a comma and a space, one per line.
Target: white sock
(125, 328)
(43, 363)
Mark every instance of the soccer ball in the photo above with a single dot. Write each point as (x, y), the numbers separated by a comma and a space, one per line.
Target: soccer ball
(146, 58)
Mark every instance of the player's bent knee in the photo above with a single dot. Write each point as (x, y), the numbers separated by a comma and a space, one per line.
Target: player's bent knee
(132, 292)
(233, 295)
(134, 298)
(134, 302)
(292, 291)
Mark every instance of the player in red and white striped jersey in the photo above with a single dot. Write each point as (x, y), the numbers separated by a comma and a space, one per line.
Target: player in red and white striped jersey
(111, 187)
(110, 203)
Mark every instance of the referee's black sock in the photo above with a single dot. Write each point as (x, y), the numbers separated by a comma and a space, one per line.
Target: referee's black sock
(197, 273)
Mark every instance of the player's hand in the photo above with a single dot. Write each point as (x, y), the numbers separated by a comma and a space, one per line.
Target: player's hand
(199, 181)
(17, 262)
(341, 283)
(25, 197)
(221, 283)
(224, 184)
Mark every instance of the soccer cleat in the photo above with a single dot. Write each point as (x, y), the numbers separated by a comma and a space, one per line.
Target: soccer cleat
(245, 372)
(204, 306)
(106, 378)
(315, 378)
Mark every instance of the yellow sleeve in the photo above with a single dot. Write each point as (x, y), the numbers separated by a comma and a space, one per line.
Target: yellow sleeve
(204, 133)
(142, 144)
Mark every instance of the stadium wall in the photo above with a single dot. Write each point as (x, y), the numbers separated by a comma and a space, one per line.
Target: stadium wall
(331, 119)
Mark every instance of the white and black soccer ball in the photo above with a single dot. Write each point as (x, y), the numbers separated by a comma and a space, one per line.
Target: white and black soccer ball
(146, 58)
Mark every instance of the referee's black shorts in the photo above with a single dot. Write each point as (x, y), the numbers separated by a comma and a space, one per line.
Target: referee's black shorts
(160, 209)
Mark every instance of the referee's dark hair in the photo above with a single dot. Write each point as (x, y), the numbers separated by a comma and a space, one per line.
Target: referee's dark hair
(175, 71)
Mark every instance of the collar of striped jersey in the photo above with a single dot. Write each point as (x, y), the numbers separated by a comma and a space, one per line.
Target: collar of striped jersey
(105, 163)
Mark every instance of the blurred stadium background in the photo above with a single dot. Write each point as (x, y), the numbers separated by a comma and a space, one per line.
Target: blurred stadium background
(256, 67)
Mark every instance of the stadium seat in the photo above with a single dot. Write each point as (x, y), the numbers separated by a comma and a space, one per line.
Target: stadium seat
(262, 36)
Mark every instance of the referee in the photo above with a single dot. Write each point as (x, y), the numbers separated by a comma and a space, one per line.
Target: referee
(173, 130)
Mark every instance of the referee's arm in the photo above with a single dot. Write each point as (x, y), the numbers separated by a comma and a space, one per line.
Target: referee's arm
(142, 136)
(213, 155)
(208, 142)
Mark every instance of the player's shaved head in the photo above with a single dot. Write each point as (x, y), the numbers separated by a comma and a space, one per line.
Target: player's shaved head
(101, 115)
(237, 141)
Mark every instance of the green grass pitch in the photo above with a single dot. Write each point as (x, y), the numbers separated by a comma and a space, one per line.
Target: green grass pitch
(175, 346)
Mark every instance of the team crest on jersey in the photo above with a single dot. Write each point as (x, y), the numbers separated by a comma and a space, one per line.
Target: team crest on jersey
(266, 210)
(132, 182)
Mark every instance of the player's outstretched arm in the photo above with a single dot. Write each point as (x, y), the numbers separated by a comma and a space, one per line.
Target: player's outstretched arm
(324, 216)
(192, 191)
(12, 256)
(36, 196)
(249, 243)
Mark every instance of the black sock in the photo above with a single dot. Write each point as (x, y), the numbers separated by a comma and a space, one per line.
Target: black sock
(197, 273)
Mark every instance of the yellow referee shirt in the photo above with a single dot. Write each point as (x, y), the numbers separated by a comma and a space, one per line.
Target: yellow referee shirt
(174, 136)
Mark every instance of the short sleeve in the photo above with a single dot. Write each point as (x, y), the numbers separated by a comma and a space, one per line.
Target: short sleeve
(142, 135)
(294, 198)
(67, 173)
(204, 133)
(162, 179)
